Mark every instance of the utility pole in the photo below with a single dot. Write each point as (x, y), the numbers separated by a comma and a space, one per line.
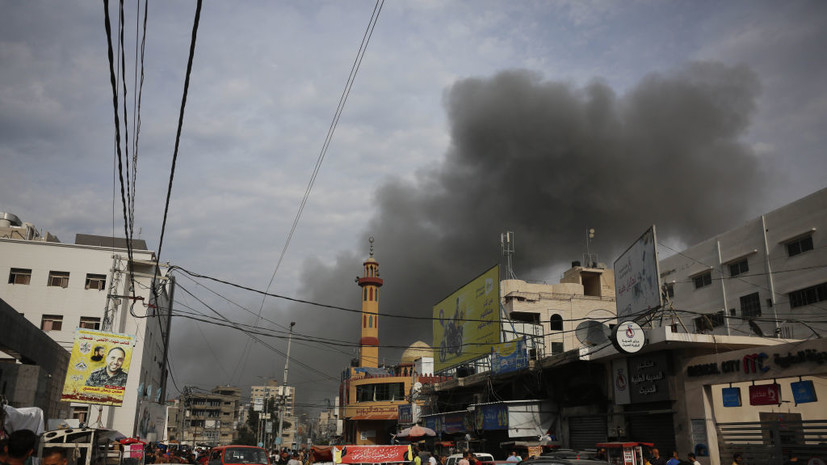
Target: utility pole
(283, 399)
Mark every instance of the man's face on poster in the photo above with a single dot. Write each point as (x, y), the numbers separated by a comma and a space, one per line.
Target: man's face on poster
(114, 361)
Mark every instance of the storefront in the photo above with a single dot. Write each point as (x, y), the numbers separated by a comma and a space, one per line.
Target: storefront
(768, 403)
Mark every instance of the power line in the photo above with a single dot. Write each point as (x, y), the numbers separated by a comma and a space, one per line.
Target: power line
(354, 69)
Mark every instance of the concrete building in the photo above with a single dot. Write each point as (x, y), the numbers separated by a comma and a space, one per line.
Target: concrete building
(287, 394)
(60, 287)
(209, 418)
(34, 376)
(371, 396)
(766, 277)
(548, 314)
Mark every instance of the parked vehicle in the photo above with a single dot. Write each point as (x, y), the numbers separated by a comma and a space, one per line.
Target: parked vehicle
(561, 461)
(481, 456)
(237, 454)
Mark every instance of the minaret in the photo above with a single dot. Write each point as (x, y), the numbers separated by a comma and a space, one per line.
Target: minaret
(370, 283)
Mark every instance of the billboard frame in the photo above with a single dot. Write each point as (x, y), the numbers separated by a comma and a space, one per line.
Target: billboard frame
(630, 275)
(439, 327)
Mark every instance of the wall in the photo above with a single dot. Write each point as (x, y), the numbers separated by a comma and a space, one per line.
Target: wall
(772, 273)
(36, 299)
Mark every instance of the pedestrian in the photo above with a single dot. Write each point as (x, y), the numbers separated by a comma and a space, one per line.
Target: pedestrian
(692, 459)
(514, 458)
(4, 454)
(737, 459)
(674, 460)
(294, 460)
(21, 446)
(432, 460)
(54, 456)
(464, 459)
(656, 458)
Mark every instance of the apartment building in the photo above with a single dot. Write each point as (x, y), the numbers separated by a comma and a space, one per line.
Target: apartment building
(60, 287)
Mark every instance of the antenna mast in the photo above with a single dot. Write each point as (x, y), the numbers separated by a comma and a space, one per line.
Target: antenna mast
(507, 246)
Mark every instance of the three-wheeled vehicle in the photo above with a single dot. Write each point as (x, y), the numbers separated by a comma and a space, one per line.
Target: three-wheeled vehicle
(625, 452)
(88, 446)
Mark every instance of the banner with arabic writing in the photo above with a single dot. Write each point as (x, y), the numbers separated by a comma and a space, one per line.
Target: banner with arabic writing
(98, 368)
(371, 454)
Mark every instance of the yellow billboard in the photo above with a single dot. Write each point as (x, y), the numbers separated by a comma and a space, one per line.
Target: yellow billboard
(98, 368)
(467, 323)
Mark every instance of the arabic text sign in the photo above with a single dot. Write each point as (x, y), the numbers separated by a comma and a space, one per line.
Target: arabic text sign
(765, 394)
(731, 396)
(648, 378)
(98, 368)
(509, 356)
(637, 282)
(803, 392)
(467, 322)
(371, 454)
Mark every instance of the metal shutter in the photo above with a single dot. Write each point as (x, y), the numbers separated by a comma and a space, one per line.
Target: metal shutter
(586, 431)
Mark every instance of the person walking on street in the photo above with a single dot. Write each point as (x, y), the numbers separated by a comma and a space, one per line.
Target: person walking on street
(674, 460)
(514, 458)
(656, 458)
(692, 459)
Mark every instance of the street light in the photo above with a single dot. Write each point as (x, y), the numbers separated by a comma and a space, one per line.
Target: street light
(284, 384)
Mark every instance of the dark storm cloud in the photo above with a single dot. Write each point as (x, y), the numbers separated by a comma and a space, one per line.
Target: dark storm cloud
(548, 160)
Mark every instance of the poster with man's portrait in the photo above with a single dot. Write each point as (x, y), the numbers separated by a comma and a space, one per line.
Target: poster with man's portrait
(98, 368)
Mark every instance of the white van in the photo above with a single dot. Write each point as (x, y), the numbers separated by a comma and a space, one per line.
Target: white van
(482, 456)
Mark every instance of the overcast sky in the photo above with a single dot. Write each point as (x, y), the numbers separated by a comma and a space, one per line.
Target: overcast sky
(466, 119)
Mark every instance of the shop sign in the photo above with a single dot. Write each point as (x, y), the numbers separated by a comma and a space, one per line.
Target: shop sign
(405, 414)
(491, 417)
(765, 394)
(757, 363)
(731, 397)
(509, 356)
(371, 454)
(629, 337)
(803, 392)
(648, 378)
(620, 381)
(453, 423)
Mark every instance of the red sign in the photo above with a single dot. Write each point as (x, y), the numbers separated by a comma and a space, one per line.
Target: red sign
(765, 394)
(371, 454)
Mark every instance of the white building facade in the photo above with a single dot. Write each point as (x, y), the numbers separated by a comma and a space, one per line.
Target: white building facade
(767, 277)
(61, 287)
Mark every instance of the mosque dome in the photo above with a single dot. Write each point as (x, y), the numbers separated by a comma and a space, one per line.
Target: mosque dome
(416, 350)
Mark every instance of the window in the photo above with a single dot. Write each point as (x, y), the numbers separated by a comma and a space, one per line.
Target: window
(739, 267)
(556, 323)
(800, 245)
(90, 322)
(58, 279)
(556, 348)
(80, 413)
(702, 280)
(380, 392)
(751, 306)
(20, 276)
(807, 296)
(95, 281)
(51, 323)
(709, 322)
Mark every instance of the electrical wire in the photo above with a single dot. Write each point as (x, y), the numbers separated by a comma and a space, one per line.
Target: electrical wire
(354, 69)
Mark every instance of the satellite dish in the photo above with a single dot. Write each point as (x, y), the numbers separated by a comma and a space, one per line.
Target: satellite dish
(592, 333)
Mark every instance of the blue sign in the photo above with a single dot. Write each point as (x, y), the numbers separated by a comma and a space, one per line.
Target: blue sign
(803, 392)
(404, 414)
(491, 417)
(731, 397)
(509, 356)
(431, 422)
